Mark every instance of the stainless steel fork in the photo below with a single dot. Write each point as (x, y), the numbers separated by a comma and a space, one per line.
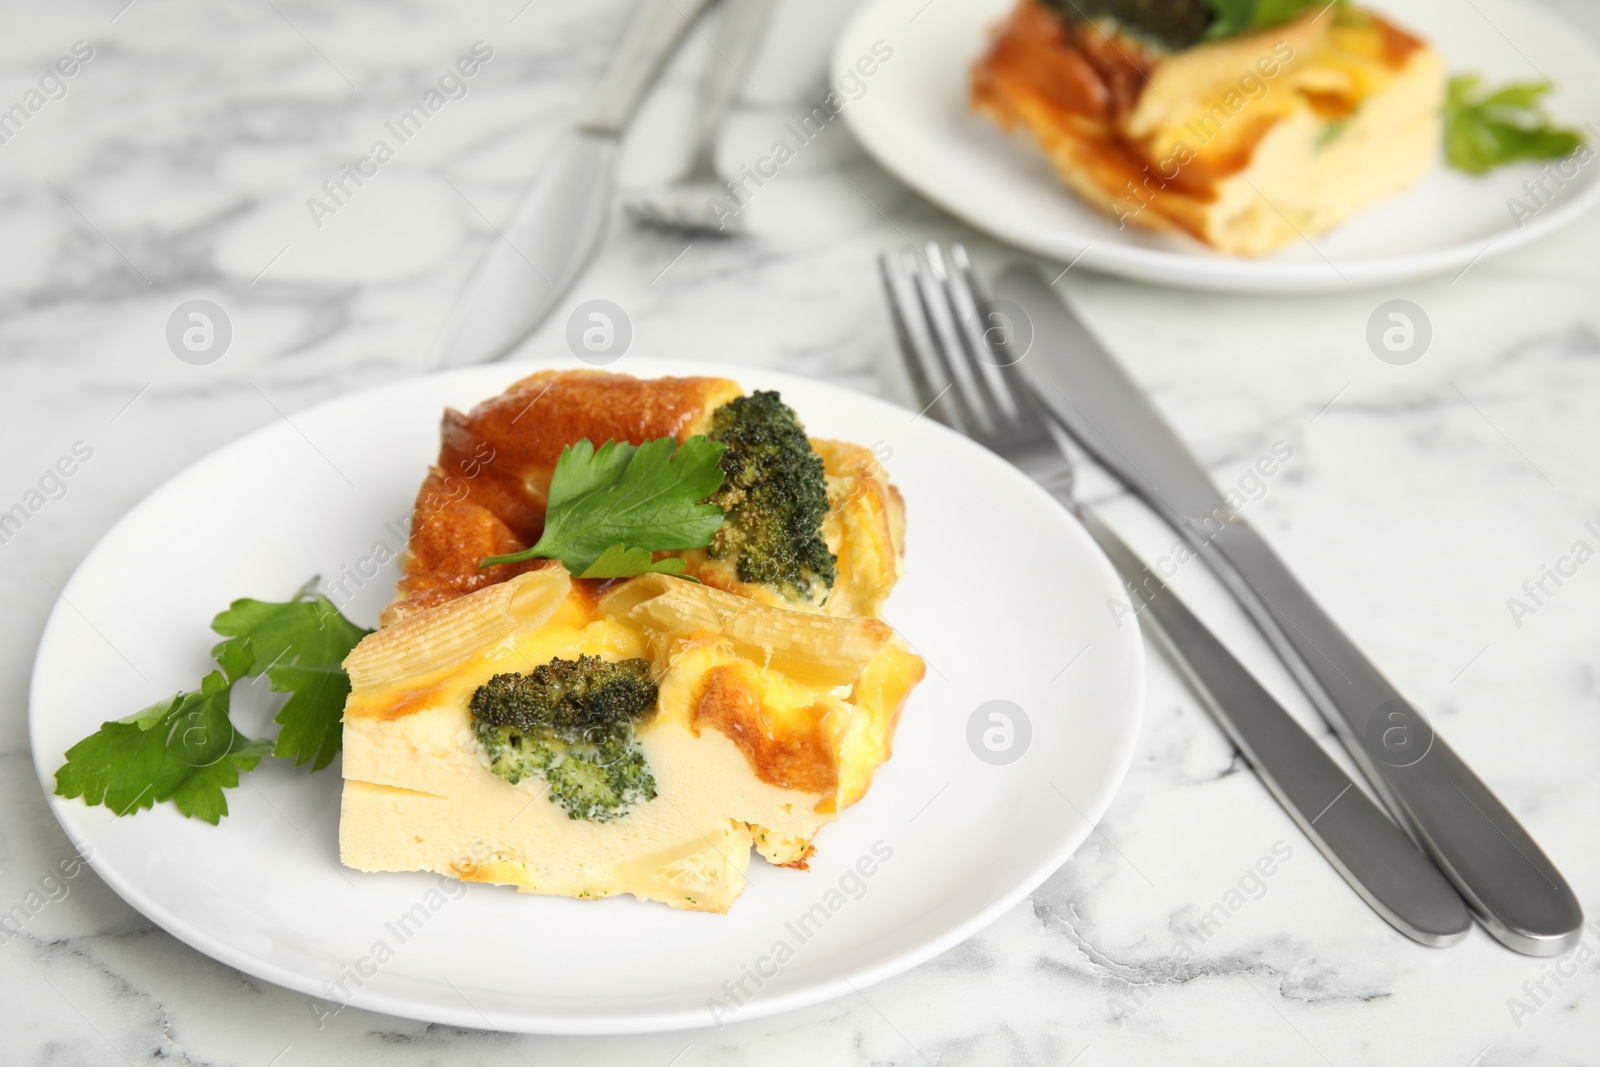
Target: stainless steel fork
(957, 348)
(960, 353)
(699, 201)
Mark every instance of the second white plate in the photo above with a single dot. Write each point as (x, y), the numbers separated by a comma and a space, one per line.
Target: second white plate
(914, 118)
(1004, 595)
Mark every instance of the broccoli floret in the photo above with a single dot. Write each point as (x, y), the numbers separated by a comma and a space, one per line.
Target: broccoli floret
(571, 722)
(1177, 24)
(775, 494)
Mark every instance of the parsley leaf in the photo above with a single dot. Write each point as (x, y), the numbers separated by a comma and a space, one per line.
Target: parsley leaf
(1242, 16)
(610, 507)
(299, 645)
(184, 749)
(619, 561)
(1483, 131)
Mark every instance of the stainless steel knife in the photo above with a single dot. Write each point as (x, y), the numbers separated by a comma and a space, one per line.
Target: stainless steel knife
(555, 228)
(1511, 886)
(1377, 859)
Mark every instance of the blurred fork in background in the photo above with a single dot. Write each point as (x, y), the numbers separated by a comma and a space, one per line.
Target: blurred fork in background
(698, 202)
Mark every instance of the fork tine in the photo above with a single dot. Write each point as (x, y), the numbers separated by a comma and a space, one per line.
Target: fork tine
(940, 345)
(936, 314)
(917, 350)
(979, 357)
(951, 327)
(994, 366)
(991, 336)
(957, 374)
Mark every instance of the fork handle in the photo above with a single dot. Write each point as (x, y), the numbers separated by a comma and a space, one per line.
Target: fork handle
(1379, 861)
(735, 45)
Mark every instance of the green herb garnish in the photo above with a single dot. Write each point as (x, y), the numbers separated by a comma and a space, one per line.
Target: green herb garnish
(1483, 131)
(611, 507)
(1245, 16)
(1174, 24)
(1178, 24)
(300, 646)
(186, 749)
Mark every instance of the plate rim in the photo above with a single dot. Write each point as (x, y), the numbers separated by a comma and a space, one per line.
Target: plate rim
(546, 1022)
(1198, 269)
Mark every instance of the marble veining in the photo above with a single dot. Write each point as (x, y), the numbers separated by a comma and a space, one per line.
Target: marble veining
(179, 164)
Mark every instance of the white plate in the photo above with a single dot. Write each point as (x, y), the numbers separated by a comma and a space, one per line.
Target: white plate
(913, 116)
(1002, 591)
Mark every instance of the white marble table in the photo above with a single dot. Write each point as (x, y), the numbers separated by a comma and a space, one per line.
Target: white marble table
(1418, 500)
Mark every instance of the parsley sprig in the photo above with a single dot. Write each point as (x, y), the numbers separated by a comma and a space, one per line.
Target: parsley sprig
(299, 646)
(610, 508)
(186, 748)
(1485, 130)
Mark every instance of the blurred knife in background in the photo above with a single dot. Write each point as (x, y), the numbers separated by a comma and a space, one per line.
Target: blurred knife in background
(555, 228)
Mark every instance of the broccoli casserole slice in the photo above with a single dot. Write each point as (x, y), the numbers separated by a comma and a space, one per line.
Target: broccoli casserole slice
(1246, 142)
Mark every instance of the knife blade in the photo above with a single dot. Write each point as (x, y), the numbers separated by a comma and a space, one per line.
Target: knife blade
(1374, 856)
(1506, 879)
(550, 236)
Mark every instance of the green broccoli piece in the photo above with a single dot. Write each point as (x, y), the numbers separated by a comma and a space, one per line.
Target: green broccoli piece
(1175, 24)
(571, 722)
(775, 495)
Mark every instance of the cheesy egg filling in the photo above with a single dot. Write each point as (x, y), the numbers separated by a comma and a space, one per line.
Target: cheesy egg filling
(590, 739)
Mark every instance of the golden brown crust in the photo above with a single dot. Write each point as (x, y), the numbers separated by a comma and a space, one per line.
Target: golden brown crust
(801, 862)
(1398, 45)
(528, 425)
(865, 528)
(486, 495)
(792, 754)
(1070, 90)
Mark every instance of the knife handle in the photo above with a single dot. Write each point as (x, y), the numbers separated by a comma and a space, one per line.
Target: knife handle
(1512, 887)
(651, 37)
(1379, 861)
(1508, 882)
